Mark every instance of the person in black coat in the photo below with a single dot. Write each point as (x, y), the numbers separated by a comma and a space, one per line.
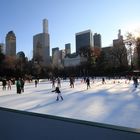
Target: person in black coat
(36, 82)
(135, 80)
(71, 82)
(88, 82)
(4, 84)
(58, 93)
(103, 80)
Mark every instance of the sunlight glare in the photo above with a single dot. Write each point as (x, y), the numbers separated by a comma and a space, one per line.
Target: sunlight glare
(133, 28)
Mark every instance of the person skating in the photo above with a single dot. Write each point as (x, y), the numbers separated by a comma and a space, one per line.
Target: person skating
(135, 80)
(84, 79)
(22, 85)
(9, 84)
(58, 82)
(58, 93)
(103, 81)
(53, 82)
(18, 85)
(72, 82)
(36, 82)
(88, 82)
(4, 84)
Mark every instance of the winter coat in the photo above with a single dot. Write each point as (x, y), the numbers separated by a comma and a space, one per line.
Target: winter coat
(57, 90)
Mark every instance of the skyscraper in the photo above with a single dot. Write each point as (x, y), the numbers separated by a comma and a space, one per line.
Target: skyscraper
(54, 50)
(97, 40)
(68, 48)
(55, 57)
(41, 46)
(11, 44)
(83, 39)
(45, 26)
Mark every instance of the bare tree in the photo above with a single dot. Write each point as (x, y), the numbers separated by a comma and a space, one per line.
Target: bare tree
(119, 54)
(133, 43)
(138, 52)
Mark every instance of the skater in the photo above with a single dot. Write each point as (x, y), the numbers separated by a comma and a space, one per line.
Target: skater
(9, 84)
(4, 84)
(53, 82)
(135, 80)
(58, 82)
(103, 81)
(18, 85)
(84, 79)
(71, 82)
(88, 82)
(58, 93)
(22, 85)
(36, 82)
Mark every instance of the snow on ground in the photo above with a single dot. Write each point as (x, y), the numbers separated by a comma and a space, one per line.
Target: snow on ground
(112, 103)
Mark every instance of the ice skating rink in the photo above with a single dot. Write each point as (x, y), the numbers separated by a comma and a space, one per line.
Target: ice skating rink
(117, 102)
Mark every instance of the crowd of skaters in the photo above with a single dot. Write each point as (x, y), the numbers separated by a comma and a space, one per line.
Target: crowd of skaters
(112, 80)
(19, 82)
(56, 83)
(104, 80)
(7, 83)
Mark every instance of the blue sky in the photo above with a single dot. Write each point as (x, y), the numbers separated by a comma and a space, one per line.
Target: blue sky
(66, 17)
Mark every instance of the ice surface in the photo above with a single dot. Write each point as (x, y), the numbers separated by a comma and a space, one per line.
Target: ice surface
(112, 103)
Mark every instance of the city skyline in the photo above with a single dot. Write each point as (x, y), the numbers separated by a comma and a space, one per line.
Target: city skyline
(65, 19)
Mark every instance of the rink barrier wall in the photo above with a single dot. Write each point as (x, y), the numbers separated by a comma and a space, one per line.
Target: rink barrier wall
(22, 125)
